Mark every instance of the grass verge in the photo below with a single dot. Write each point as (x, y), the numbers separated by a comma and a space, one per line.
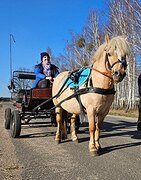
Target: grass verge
(123, 112)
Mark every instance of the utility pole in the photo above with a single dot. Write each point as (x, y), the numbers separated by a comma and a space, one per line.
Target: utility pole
(11, 84)
(11, 39)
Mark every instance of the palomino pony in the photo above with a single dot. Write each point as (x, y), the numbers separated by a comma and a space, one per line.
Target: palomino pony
(109, 65)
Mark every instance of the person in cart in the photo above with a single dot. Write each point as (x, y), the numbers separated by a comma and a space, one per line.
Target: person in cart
(45, 72)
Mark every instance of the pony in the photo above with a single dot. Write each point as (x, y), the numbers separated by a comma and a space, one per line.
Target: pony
(108, 67)
(139, 107)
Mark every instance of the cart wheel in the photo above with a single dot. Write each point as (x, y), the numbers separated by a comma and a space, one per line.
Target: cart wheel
(15, 124)
(7, 118)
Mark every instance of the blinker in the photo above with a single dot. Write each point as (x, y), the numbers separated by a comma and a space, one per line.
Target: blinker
(124, 63)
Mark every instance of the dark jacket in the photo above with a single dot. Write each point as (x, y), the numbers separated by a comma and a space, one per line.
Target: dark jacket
(40, 75)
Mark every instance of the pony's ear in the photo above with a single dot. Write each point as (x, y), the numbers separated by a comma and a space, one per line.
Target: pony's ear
(107, 39)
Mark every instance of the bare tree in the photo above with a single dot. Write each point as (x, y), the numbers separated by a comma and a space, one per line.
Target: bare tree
(81, 48)
(123, 18)
(122, 21)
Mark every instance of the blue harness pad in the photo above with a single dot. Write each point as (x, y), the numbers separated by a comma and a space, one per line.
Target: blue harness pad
(82, 79)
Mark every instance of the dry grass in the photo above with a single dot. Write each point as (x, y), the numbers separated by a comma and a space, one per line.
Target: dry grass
(1, 105)
(122, 112)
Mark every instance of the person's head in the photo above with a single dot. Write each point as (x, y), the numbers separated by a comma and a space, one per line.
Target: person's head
(45, 58)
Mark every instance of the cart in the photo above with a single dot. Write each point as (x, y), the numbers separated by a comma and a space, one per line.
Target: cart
(26, 101)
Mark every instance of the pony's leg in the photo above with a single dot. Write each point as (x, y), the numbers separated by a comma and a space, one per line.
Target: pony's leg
(64, 125)
(98, 128)
(91, 120)
(97, 132)
(97, 135)
(73, 130)
(59, 124)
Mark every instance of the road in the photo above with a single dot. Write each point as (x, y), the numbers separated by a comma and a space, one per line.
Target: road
(35, 155)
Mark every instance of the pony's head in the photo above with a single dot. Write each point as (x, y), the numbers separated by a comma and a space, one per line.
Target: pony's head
(115, 51)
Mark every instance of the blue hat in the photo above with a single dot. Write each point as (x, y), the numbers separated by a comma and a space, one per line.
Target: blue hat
(44, 54)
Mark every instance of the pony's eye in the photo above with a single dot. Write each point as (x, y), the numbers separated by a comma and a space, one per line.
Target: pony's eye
(108, 54)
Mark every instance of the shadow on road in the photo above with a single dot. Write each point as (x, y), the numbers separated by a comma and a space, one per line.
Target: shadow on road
(118, 147)
(36, 125)
(122, 128)
(38, 135)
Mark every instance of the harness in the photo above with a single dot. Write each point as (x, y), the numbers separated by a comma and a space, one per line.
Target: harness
(74, 76)
(91, 89)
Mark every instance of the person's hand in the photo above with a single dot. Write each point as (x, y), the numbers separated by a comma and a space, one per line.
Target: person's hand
(49, 78)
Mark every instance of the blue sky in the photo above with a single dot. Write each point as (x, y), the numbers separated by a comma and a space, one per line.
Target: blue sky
(36, 25)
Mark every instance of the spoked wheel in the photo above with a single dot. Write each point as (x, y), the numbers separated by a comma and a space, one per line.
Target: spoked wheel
(7, 118)
(15, 124)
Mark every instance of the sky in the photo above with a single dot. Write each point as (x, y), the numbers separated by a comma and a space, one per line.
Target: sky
(35, 26)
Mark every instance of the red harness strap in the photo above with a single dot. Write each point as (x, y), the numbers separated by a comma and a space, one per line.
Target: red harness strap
(103, 73)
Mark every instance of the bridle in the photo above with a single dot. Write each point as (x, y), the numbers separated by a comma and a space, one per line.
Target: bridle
(108, 73)
(123, 62)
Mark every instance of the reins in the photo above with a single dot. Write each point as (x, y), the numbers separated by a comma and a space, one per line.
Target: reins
(79, 91)
(69, 76)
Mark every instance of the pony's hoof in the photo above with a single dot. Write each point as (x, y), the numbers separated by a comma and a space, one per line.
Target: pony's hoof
(99, 149)
(94, 153)
(76, 141)
(64, 137)
(58, 141)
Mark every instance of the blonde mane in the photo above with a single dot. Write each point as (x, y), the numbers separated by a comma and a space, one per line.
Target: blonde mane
(118, 42)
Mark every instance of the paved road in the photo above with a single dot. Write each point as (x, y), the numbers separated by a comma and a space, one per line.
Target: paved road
(40, 158)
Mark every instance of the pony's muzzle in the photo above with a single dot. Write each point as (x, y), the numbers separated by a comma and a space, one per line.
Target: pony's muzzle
(118, 76)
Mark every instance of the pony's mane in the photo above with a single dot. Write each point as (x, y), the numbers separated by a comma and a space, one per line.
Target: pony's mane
(119, 42)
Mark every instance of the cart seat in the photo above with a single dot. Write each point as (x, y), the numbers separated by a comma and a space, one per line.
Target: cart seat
(38, 96)
(41, 93)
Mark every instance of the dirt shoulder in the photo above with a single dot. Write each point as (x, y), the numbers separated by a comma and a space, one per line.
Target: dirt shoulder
(10, 168)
